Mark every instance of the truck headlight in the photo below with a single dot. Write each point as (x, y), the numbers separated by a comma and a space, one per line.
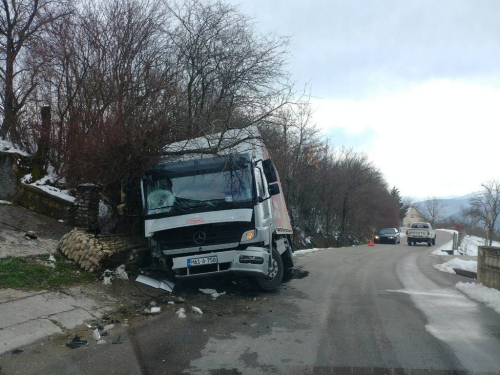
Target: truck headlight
(249, 235)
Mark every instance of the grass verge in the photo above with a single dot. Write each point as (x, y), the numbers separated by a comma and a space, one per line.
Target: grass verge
(36, 273)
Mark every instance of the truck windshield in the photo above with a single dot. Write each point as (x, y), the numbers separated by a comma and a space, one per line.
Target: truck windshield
(207, 182)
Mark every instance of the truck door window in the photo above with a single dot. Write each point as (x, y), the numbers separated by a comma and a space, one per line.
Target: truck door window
(260, 183)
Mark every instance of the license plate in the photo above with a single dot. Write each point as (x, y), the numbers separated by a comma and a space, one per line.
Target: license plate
(202, 261)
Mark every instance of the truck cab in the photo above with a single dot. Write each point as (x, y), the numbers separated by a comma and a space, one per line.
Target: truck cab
(212, 215)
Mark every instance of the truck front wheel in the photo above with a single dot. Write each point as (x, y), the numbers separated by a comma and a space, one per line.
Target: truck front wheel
(273, 279)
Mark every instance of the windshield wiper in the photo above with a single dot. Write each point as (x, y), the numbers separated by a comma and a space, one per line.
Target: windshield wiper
(222, 202)
(159, 208)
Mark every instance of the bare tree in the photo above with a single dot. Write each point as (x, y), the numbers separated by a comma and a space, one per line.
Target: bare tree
(229, 75)
(485, 207)
(432, 210)
(22, 24)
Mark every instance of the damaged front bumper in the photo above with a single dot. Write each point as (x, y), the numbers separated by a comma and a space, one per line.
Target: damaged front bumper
(251, 261)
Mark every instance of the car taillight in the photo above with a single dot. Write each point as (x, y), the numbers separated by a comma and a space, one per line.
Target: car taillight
(428, 233)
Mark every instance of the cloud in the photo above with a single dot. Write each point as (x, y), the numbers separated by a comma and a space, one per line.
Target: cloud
(425, 139)
(358, 49)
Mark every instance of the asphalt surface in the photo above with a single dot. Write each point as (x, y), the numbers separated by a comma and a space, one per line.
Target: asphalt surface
(360, 310)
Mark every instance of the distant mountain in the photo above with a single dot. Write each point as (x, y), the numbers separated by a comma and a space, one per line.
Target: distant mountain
(453, 205)
(459, 197)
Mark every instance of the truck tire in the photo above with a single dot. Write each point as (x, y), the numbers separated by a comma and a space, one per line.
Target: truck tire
(409, 243)
(429, 243)
(434, 241)
(273, 279)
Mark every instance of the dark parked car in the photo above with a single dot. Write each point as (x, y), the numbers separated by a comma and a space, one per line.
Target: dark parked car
(387, 235)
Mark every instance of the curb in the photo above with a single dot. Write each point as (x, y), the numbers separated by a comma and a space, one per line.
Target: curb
(469, 274)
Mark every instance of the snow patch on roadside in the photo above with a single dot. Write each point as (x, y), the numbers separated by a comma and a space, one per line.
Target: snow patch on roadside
(467, 265)
(481, 293)
(306, 251)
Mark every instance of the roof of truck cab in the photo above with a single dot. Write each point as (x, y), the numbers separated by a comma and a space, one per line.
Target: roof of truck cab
(231, 141)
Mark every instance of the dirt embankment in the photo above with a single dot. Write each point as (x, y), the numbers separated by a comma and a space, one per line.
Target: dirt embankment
(15, 222)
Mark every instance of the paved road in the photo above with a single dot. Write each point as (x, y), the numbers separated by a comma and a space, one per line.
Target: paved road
(359, 310)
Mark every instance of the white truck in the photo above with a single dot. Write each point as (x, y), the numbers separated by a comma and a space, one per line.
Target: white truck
(208, 215)
(421, 232)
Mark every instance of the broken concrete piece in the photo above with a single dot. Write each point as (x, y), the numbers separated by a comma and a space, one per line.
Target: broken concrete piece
(180, 313)
(120, 272)
(31, 235)
(208, 291)
(197, 310)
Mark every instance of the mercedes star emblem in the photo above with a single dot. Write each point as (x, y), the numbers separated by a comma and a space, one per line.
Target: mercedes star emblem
(199, 238)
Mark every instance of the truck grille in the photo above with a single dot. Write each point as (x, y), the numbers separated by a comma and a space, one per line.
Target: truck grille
(202, 235)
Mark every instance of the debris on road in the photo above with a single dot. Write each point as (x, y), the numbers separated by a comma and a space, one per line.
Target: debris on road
(212, 292)
(76, 342)
(106, 280)
(120, 272)
(197, 310)
(166, 286)
(96, 335)
(118, 340)
(108, 327)
(30, 235)
(181, 313)
(208, 291)
(155, 310)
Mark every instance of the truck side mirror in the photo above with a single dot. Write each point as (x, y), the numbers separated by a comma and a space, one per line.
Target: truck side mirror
(269, 171)
(274, 189)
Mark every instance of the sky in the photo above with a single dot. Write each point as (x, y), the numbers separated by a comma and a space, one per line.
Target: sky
(414, 84)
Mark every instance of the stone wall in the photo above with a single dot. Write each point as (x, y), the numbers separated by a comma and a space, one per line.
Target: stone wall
(85, 210)
(12, 168)
(41, 202)
(488, 266)
(96, 253)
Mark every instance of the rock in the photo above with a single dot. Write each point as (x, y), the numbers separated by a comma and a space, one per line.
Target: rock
(31, 235)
